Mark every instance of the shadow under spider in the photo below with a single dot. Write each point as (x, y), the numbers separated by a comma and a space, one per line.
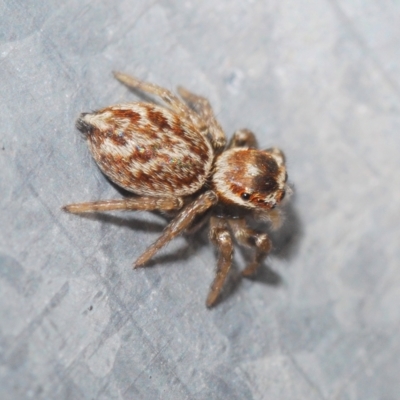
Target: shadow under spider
(132, 223)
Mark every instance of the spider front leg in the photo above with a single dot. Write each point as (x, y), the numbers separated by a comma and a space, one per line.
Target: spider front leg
(221, 238)
(179, 224)
(243, 138)
(250, 238)
(166, 95)
(134, 203)
(203, 108)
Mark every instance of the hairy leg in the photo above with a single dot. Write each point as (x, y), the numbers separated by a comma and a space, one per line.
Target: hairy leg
(134, 203)
(166, 95)
(221, 238)
(253, 239)
(197, 225)
(203, 108)
(274, 217)
(179, 224)
(243, 138)
(279, 155)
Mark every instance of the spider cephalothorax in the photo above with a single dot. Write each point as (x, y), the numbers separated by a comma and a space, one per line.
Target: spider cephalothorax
(250, 178)
(175, 157)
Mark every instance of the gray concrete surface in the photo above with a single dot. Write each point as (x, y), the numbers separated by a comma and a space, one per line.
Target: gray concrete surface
(320, 79)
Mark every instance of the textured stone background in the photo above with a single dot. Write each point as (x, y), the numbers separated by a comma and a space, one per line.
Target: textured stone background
(321, 80)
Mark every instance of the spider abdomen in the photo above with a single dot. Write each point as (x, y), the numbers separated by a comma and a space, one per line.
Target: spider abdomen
(147, 149)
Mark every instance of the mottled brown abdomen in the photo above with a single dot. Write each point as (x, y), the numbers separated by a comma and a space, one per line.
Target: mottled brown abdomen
(147, 149)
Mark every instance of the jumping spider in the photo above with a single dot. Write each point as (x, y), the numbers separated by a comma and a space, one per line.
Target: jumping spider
(174, 157)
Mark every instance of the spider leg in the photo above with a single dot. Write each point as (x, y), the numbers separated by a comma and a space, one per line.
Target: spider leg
(251, 238)
(166, 95)
(134, 203)
(274, 217)
(278, 153)
(203, 108)
(179, 224)
(221, 238)
(243, 138)
(198, 225)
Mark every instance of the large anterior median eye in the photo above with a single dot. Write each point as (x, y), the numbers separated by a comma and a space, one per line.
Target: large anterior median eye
(245, 196)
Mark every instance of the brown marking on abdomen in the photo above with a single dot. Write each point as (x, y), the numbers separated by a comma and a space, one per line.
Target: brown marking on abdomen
(158, 119)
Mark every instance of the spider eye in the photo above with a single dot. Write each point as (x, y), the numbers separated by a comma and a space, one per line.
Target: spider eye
(245, 196)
